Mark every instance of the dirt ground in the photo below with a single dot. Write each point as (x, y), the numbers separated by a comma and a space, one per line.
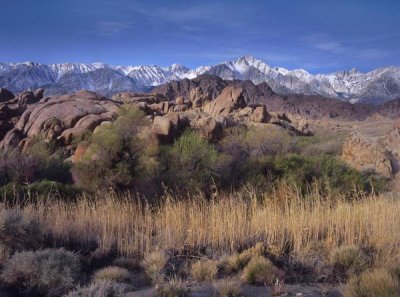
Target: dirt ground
(207, 289)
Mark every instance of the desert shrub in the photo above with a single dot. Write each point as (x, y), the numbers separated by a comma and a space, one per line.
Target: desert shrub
(204, 270)
(377, 283)
(330, 173)
(18, 231)
(228, 288)
(268, 140)
(103, 289)
(154, 265)
(112, 274)
(238, 261)
(120, 155)
(49, 272)
(16, 167)
(330, 144)
(52, 188)
(37, 163)
(190, 163)
(50, 160)
(348, 260)
(172, 288)
(13, 192)
(260, 271)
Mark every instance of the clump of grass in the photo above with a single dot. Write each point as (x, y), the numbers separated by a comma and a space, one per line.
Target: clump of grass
(112, 274)
(204, 270)
(348, 260)
(102, 289)
(228, 288)
(154, 265)
(173, 288)
(238, 261)
(261, 271)
(377, 283)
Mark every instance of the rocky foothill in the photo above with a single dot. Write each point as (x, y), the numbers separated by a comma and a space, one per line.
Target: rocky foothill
(207, 104)
(64, 118)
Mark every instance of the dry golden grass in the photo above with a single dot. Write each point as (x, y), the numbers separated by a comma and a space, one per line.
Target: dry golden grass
(112, 274)
(284, 220)
(228, 288)
(261, 271)
(378, 282)
(204, 270)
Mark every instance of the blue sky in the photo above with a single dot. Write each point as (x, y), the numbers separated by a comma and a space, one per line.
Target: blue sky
(318, 35)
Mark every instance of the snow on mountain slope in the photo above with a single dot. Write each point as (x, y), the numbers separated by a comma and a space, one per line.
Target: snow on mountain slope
(374, 87)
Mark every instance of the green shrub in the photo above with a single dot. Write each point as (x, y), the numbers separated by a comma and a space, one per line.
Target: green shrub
(348, 260)
(190, 163)
(204, 270)
(172, 288)
(112, 274)
(49, 272)
(18, 231)
(331, 174)
(120, 155)
(261, 271)
(377, 283)
(238, 261)
(103, 289)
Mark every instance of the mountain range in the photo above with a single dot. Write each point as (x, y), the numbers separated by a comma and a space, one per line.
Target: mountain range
(374, 87)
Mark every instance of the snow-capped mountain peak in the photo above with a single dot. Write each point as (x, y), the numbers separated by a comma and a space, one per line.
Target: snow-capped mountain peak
(376, 86)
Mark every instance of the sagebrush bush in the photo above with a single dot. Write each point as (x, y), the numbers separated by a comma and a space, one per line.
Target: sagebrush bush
(376, 283)
(120, 155)
(112, 274)
(49, 272)
(261, 271)
(172, 288)
(154, 265)
(103, 289)
(18, 231)
(190, 163)
(348, 260)
(204, 270)
(228, 288)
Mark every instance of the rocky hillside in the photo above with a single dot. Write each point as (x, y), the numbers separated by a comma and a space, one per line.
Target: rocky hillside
(66, 118)
(307, 106)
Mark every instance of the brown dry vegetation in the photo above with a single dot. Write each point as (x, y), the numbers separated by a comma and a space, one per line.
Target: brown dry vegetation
(284, 221)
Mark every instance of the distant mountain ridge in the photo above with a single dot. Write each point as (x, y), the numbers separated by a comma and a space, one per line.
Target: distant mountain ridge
(375, 87)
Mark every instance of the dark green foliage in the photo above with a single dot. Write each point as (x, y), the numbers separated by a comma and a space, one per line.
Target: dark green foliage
(119, 155)
(190, 163)
(329, 173)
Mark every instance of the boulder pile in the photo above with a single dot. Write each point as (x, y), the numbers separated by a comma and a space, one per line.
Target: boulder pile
(66, 118)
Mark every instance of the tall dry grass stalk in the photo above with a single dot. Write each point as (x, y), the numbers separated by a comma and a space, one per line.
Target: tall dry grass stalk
(285, 220)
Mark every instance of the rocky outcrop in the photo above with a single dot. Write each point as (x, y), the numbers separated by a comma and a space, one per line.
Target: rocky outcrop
(368, 156)
(230, 99)
(260, 115)
(60, 118)
(5, 95)
(169, 126)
